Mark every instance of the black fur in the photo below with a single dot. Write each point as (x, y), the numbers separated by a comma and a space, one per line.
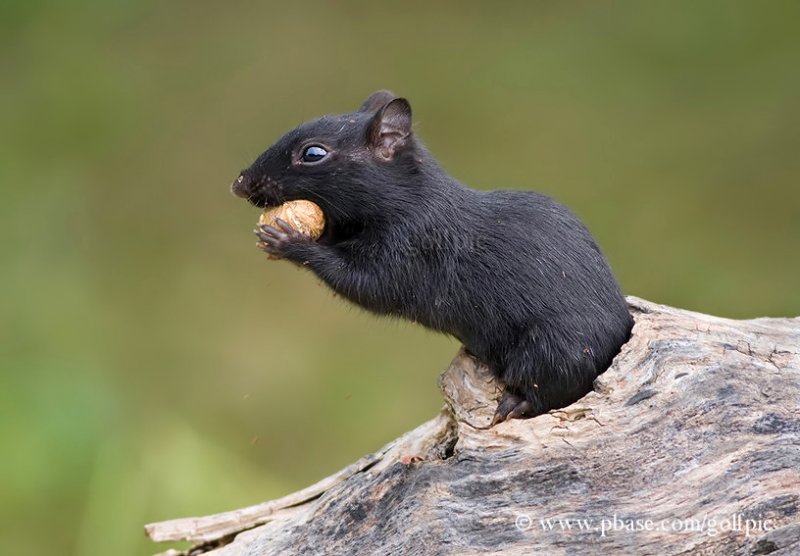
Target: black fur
(513, 275)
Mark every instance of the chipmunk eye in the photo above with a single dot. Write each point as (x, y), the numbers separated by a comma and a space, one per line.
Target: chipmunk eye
(314, 153)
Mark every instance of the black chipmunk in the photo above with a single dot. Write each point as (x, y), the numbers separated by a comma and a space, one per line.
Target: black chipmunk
(513, 275)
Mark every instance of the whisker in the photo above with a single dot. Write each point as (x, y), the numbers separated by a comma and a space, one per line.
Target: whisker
(333, 206)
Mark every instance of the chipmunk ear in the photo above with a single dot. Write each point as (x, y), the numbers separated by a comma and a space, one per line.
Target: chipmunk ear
(377, 100)
(390, 128)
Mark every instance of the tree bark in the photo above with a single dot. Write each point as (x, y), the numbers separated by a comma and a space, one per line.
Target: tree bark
(689, 444)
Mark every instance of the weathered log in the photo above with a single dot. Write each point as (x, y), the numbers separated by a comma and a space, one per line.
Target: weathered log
(689, 444)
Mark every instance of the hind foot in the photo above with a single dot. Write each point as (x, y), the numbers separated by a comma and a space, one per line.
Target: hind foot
(512, 406)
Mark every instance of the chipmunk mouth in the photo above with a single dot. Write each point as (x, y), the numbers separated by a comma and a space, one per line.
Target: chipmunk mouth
(262, 192)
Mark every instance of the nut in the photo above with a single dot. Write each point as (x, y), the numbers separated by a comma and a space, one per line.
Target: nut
(304, 216)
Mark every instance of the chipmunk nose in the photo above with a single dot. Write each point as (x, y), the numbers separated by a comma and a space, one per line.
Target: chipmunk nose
(239, 187)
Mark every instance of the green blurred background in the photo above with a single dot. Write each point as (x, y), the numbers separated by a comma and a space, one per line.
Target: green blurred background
(156, 365)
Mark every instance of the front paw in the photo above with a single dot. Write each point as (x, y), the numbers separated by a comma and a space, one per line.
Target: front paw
(281, 241)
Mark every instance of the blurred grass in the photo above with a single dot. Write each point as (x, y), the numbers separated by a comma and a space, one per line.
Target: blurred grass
(154, 365)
